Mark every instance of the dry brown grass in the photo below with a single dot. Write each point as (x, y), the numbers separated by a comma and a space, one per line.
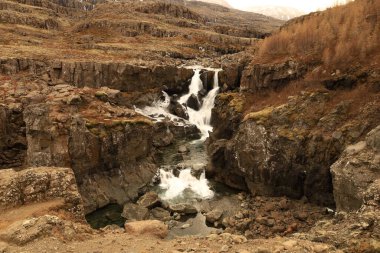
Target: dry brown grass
(340, 35)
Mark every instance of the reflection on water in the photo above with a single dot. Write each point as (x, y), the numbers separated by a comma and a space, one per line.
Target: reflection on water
(108, 215)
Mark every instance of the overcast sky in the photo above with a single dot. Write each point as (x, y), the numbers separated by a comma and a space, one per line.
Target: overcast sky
(303, 5)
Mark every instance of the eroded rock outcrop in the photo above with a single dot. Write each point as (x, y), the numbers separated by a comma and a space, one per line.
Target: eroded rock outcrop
(271, 76)
(120, 76)
(110, 161)
(12, 136)
(109, 147)
(356, 181)
(37, 185)
(29, 230)
(356, 175)
(287, 150)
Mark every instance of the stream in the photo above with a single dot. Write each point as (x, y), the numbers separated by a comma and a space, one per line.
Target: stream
(181, 177)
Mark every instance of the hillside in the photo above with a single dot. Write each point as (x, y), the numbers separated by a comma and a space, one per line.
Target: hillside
(220, 2)
(339, 37)
(169, 30)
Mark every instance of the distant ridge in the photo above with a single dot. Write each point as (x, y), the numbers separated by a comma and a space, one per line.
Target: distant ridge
(220, 2)
(279, 12)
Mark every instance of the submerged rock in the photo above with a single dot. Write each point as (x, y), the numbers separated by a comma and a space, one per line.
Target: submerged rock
(183, 149)
(183, 209)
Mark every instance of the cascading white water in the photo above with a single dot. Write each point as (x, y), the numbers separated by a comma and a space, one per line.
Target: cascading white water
(185, 184)
(175, 186)
(195, 87)
(202, 117)
(158, 110)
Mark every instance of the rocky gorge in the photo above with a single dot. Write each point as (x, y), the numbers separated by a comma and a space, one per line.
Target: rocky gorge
(151, 126)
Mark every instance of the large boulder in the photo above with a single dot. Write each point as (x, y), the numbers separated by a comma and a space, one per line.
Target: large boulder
(160, 213)
(153, 228)
(149, 200)
(356, 175)
(135, 212)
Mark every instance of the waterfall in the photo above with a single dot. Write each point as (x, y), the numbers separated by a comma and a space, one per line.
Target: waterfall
(195, 87)
(185, 186)
(202, 118)
(158, 110)
(176, 186)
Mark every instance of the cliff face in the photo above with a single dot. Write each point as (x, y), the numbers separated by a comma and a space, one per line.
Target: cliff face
(288, 150)
(12, 137)
(109, 148)
(295, 113)
(120, 76)
(356, 175)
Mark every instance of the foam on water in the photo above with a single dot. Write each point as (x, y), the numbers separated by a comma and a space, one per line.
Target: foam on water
(185, 185)
(202, 118)
(195, 86)
(176, 186)
(158, 110)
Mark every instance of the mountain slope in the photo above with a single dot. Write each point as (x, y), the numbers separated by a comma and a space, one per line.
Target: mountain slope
(169, 30)
(338, 37)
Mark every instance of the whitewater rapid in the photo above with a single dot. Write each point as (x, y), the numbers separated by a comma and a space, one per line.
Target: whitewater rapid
(202, 118)
(185, 185)
(175, 187)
